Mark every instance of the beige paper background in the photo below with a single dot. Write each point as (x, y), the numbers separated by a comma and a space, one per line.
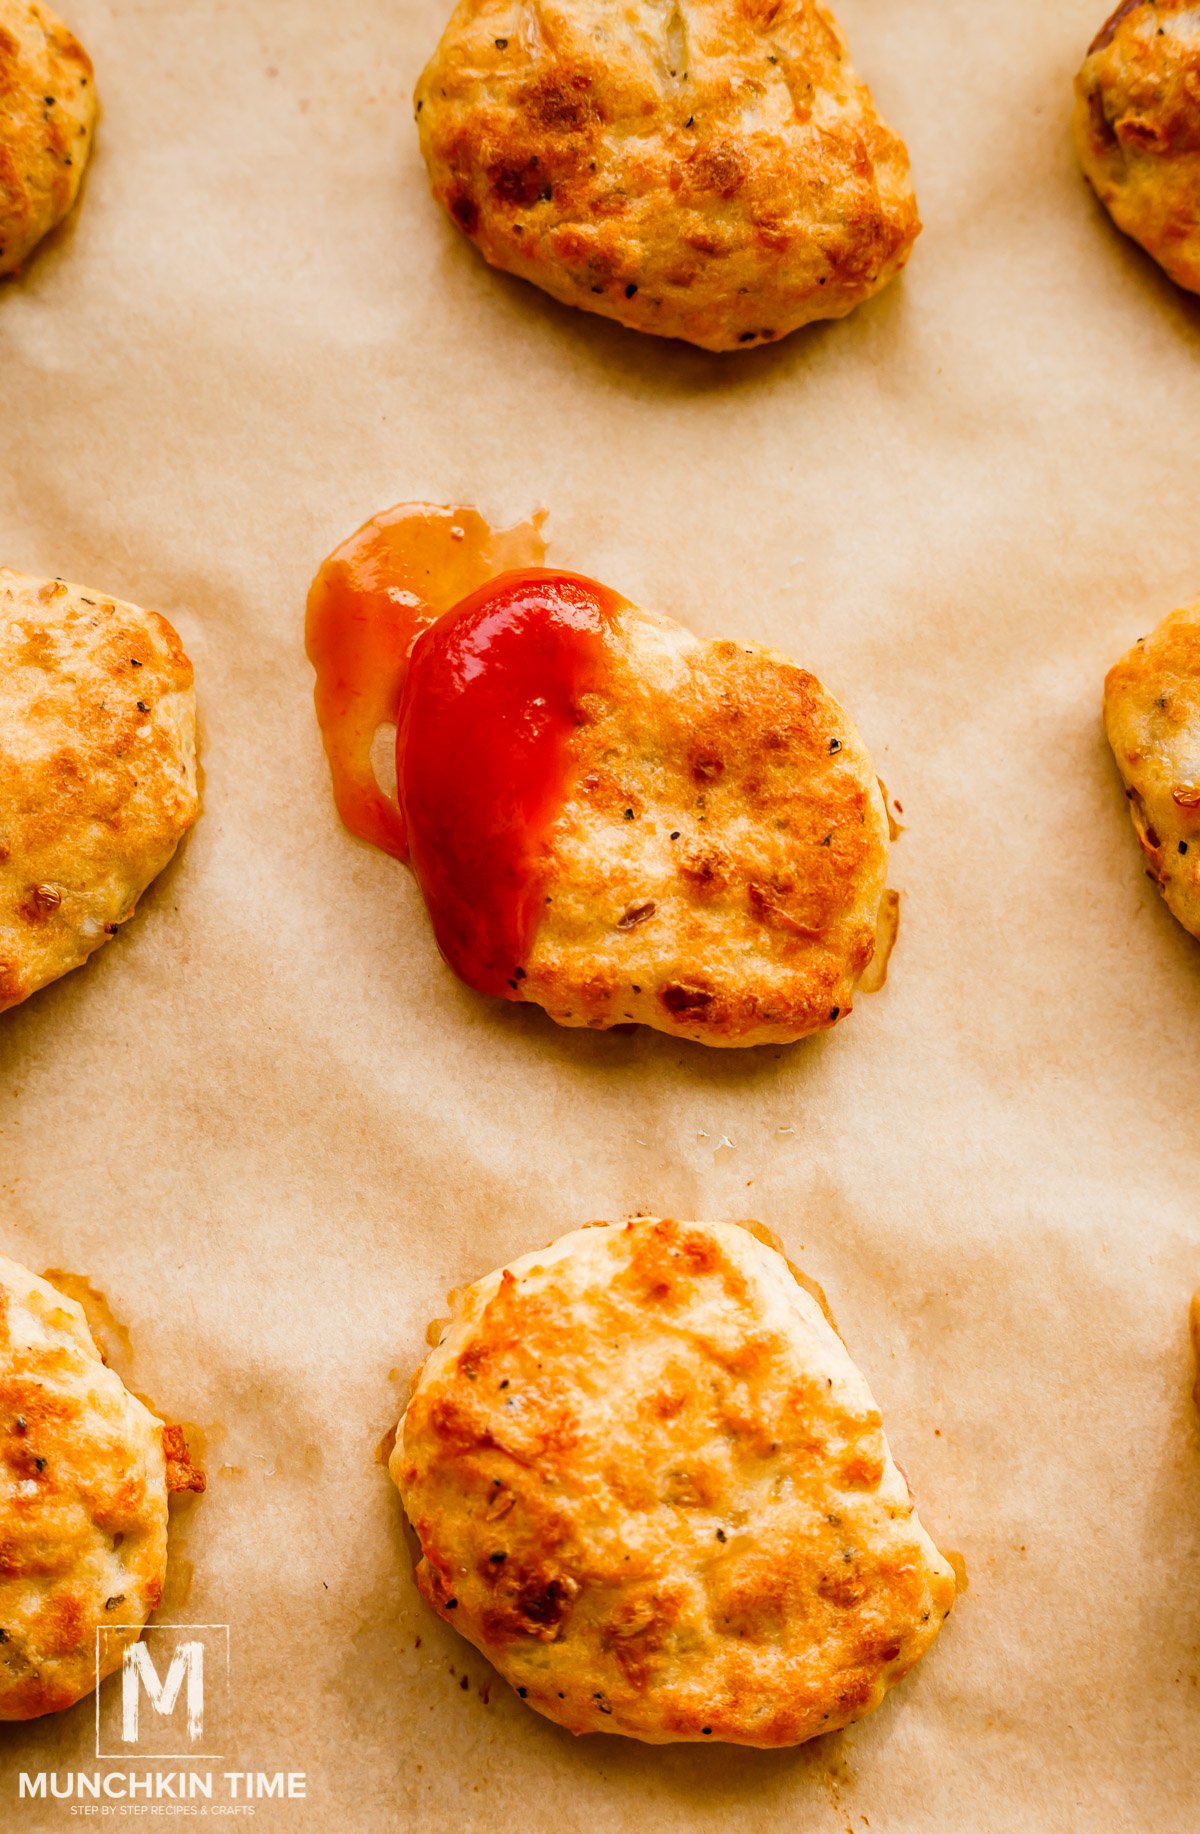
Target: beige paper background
(272, 1128)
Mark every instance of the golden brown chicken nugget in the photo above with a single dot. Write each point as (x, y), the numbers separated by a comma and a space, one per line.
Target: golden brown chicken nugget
(716, 173)
(97, 770)
(1152, 717)
(650, 1485)
(83, 1503)
(705, 852)
(47, 116)
(718, 869)
(1137, 128)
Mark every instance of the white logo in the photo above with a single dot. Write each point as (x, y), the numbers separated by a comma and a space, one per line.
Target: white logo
(173, 1700)
(138, 1671)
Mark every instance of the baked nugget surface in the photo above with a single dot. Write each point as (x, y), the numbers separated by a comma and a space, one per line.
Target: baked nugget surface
(97, 770)
(652, 1488)
(1137, 128)
(47, 115)
(717, 174)
(83, 1503)
(718, 868)
(1152, 717)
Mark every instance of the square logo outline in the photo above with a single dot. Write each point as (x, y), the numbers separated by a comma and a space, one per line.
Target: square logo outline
(111, 1757)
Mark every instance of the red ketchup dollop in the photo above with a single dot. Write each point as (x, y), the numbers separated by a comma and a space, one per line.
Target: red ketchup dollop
(429, 619)
(491, 700)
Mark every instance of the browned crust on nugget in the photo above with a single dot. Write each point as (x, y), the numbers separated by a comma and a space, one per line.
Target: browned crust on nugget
(1137, 128)
(721, 176)
(718, 867)
(1152, 717)
(651, 1486)
(182, 1473)
(47, 115)
(97, 770)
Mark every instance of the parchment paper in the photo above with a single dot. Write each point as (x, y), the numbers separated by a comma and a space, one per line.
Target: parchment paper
(269, 1125)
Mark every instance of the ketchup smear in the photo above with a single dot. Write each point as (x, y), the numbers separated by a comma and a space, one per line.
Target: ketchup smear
(485, 698)
(482, 756)
(371, 597)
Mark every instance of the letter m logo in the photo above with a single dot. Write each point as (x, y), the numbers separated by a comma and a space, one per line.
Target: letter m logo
(172, 1699)
(138, 1672)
